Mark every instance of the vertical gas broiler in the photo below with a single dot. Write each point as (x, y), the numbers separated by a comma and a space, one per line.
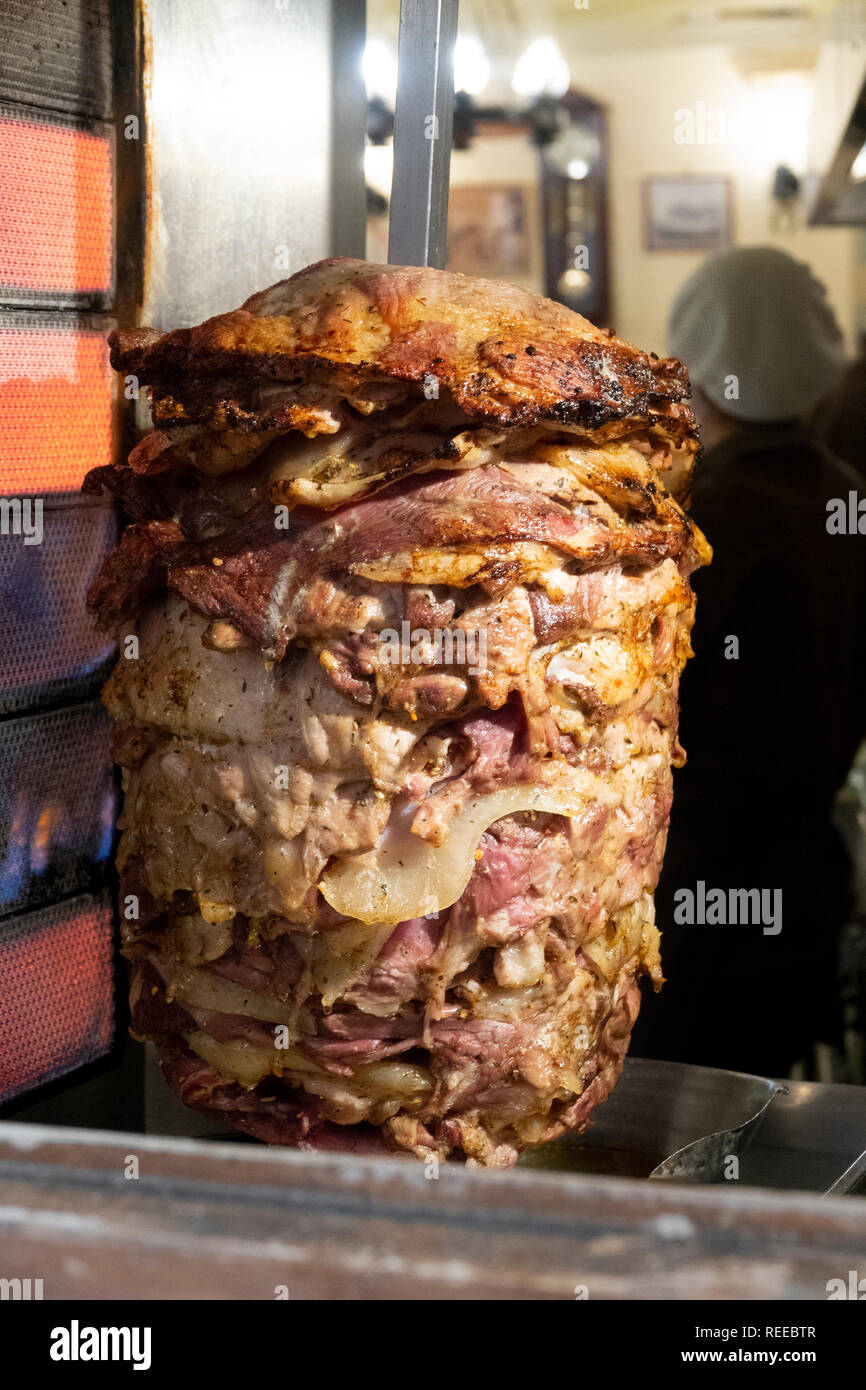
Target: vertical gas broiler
(159, 162)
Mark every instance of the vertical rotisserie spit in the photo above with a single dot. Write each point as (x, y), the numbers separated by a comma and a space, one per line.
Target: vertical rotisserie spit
(403, 607)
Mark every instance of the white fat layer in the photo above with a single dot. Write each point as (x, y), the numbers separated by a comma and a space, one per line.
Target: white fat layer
(405, 876)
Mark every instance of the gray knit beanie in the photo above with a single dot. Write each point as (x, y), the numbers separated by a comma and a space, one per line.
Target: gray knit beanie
(757, 333)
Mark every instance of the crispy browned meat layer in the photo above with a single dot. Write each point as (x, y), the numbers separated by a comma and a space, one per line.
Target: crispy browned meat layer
(504, 354)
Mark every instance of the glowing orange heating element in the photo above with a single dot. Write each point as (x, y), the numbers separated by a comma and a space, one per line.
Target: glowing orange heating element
(56, 1006)
(56, 395)
(55, 208)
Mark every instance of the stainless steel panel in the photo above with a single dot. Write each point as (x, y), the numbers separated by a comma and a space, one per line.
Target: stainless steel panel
(241, 134)
(348, 132)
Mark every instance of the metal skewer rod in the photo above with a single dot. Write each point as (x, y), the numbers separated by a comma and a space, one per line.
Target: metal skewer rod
(423, 120)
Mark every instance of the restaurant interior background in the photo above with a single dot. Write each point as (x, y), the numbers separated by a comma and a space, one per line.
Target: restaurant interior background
(603, 149)
(688, 111)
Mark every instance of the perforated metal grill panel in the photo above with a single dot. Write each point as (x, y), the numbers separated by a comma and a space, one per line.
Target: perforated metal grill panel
(56, 401)
(57, 804)
(56, 210)
(56, 996)
(51, 651)
(57, 53)
(65, 167)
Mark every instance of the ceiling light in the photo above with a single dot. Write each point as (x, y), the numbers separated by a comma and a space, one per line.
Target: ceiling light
(379, 66)
(541, 70)
(471, 65)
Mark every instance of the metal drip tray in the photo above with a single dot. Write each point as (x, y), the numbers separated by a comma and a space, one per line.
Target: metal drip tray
(805, 1136)
(665, 1120)
(797, 1135)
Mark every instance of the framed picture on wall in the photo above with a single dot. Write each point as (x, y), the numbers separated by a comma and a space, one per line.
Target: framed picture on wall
(492, 231)
(684, 213)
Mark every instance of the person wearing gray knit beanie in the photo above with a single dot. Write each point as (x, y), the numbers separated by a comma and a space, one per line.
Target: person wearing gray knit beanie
(774, 701)
(758, 335)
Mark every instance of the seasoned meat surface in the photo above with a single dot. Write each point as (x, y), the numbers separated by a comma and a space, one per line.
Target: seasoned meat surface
(404, 603)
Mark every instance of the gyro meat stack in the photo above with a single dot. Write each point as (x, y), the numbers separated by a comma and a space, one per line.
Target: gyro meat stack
(407, 578)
